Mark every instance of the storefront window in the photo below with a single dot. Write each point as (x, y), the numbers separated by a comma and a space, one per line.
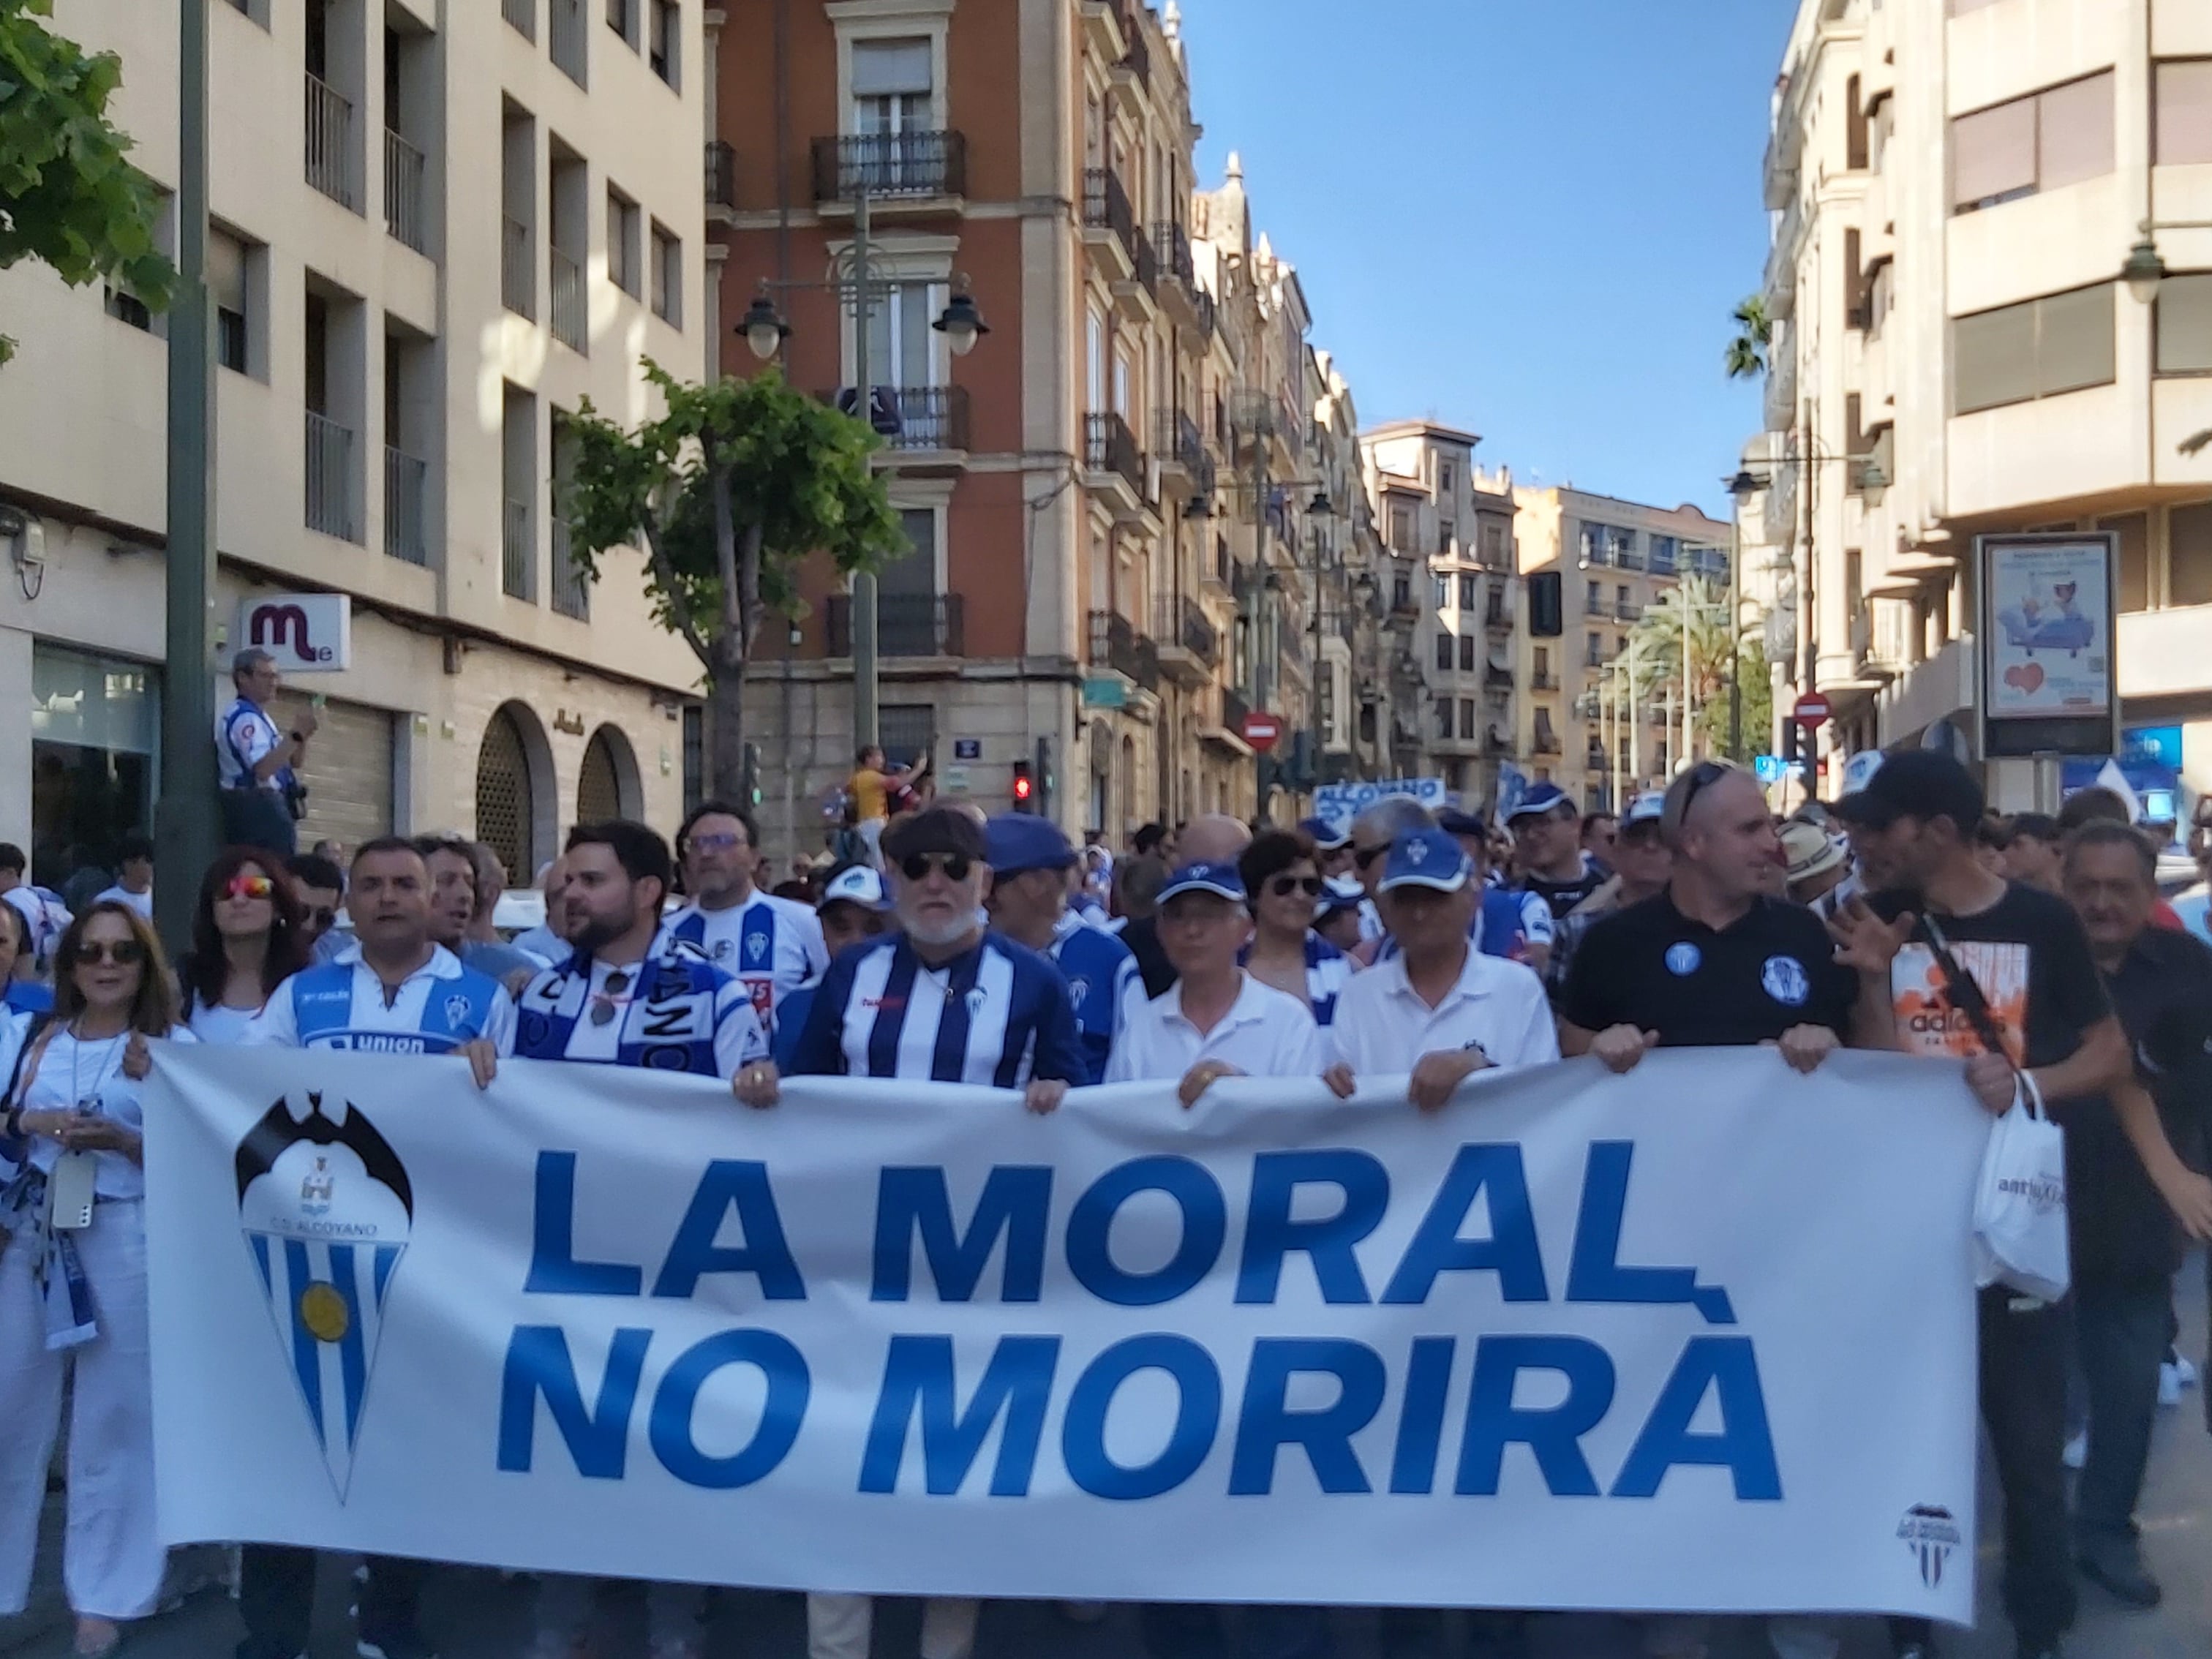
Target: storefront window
(93, 726)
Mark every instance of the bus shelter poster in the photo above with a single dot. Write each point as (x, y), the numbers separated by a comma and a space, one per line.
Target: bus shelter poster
(2049, 608)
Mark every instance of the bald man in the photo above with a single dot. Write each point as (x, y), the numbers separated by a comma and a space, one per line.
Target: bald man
(1217, 838)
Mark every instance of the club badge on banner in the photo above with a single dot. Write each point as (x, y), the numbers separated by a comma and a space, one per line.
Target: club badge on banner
(1699, 1338)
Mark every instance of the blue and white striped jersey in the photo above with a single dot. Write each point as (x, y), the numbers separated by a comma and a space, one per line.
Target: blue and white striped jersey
(674, 1011)
(997, 1014)
(1327, 968)
(1103, 982)
(342, 1005)
(772, 945)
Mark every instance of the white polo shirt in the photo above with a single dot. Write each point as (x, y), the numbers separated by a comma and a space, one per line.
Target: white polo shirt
(1383, 1026)
(1266, 1033)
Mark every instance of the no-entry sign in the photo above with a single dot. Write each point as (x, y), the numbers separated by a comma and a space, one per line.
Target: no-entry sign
(1261, 731)
(1812, 711)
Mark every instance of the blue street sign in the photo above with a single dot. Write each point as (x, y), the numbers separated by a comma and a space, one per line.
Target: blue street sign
(1772, 769)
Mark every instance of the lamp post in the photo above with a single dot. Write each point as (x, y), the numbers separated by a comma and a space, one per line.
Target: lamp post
(765, 334)
(2144, 270)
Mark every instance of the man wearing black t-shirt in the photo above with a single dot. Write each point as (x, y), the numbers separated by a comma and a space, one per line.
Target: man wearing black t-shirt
(1547, 849)
(2030, 1018)
(2126, 1186)
(1714, 960)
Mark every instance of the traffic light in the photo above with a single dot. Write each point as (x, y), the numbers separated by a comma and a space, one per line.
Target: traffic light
(1025, 788)
(752, 775)
(1045, 785)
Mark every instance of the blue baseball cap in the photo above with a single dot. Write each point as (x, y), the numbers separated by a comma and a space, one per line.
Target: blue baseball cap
(1016, 842)
(1424, 858)
(1453, 822)
(1219, 879)
(1648, 807)
(1540, 799)
(1337, 895)
(1327, 836)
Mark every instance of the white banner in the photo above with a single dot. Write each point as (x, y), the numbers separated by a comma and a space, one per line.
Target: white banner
(1702, 1337)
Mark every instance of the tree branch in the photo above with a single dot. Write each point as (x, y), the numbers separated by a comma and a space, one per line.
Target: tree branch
(663, 572)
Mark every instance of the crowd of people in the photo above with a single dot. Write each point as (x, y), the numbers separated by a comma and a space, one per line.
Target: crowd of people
(947, 945)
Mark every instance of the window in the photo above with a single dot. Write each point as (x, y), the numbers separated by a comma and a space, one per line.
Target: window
(1402, 528)
(1593, 544)
(1401, 594)
(1441, 587)
(623, 254)
(1593, 597)
(1470, 592)
(2181, 96)
(227, 287)
(2189, 554)
(892, 81)
(1444, 718)
(2061, 343)
(622, 18)
(2133, 531)
(1541, 665)
(2185, 325)
(1594, 650)
(1625, 553)
(1443, 478)
(2039, 143)
(1443, 653)
(1621, 606)
(1466, 717)
(1493, 543)
(667, 37)
(1466, 654)
(1666, 553)
(903, 344)
(667, 276)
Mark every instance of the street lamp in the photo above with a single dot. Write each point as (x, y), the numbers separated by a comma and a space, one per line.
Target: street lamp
(765, 332)
(2144, 270)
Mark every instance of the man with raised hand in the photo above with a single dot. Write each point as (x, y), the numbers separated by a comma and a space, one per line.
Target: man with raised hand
(1031, 858)
(772, 946)
(625, 998)
(944, 999)
(396, 992)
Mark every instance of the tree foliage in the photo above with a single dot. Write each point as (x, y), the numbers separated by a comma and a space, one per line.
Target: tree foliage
(1658, 660)
(730, 490)
(68, 195)
(1746, 353)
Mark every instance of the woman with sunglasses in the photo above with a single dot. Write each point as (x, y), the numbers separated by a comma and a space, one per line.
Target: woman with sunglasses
(73, 1280)
(1281, 871)
(247, 939)
(23, 996)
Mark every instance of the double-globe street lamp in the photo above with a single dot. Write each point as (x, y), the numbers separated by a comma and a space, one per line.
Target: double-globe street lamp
(852, 282)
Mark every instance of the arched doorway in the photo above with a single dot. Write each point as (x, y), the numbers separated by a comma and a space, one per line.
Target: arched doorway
(607, 787)
(514, 792)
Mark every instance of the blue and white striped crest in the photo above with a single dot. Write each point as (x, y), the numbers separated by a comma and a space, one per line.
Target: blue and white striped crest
(326, 1209)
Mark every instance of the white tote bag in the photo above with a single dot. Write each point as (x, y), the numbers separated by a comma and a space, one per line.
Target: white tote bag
(2019, 1205)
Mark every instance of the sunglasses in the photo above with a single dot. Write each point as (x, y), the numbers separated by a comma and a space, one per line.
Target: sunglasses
(1703, 775)
(916, 866)
(248, 887)
(123, 952)
(722, 840)
(1284, 886)
(322, 916)
(608, 1000)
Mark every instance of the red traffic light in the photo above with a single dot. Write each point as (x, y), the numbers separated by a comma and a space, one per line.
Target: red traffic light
(1025, 787)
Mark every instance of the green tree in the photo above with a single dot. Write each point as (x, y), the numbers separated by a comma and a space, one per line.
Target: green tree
(729, 490)
(68, 196)
(1746, 352)
(1659, 640)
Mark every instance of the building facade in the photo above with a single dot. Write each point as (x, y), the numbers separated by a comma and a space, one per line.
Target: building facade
(1956, 186)
(453, 225)
(1109, 499)
(1598, 723)
(1454, 597)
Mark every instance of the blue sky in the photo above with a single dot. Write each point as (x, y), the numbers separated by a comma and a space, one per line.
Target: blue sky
(1529, 218)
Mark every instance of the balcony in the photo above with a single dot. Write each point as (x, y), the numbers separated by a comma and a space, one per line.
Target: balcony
(565, 27)
(518, 287)
(517, 551)
(1627, 610)
(1234, 709)
(721, 175)
(1543, 680)
(1781, 282)
(406, 493)
(1187, 642)
(923, 170)
(1112, 465)
(1110, 224)
(1180, 449)
(1117, 644)
(1139, 293)
(1493, 675)
(1546, 742)
(912, 419)
(1495, 745)
(907, 625)
(330, 144)
(572, 589)
(1178, 273)
(1134, 73)
(571, 317)
(1207, 316)
(404, 174)
(329, 478)
(1498, 619)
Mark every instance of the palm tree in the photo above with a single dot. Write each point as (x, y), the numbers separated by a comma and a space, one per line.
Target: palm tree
(1703, 605)
(1746, 352)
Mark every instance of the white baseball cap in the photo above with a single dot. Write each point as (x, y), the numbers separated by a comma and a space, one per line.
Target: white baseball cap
(859, 884)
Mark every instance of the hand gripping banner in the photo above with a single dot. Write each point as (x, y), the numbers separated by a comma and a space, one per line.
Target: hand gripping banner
(1697, 1338)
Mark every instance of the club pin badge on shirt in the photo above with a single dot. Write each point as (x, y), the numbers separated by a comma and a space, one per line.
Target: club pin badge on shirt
(326, 1209)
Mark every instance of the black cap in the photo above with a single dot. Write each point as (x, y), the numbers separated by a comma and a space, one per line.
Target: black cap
(934, 830)
(1453, 822)
(1915, 783)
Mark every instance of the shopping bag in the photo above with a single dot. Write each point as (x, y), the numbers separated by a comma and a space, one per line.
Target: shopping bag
(2019, 1205)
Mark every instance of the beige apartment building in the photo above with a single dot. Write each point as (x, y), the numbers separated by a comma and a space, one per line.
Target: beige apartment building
(1453, 596)
(437, 228)
(1594, 724)
(1956, 186)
